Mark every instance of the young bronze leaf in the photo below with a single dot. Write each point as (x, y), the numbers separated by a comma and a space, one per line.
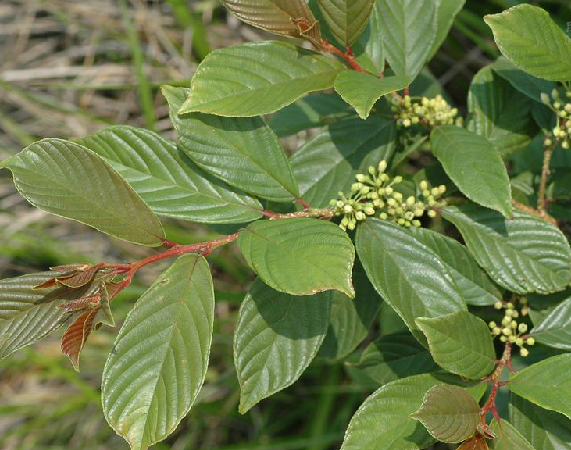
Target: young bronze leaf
(81, 303)
(449, 413)
(287, 17)
(475, 443)
(75, 336)
(79, 279)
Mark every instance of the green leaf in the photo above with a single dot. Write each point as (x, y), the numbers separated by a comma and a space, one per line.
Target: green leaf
(383, 421)
(525, 83)
(460, 343)
(508, 438)
(409, 28)
(415, 283)
(555, 328)
(546, 384)
(243, 152)
(445, 15)
(70, 181)
(350, 318)
(499, 112)
(545, 430)
(257, 78)
(476, 287)
(286, 17)
(362, 90)
(299, 256)
(277, 336)
(523, 255)
(370, 48)
(528, 37)
(312, 111)
(159, 360)
(395, 356)
(449, 413)
(346, 19)
(475, 166)
(170, 183)
(329, 162)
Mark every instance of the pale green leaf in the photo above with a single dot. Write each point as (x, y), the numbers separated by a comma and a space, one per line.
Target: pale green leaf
(476, 287)
(409, 29)
(350, 318)
(395, 356)
(329, 162)
(277, 336)
(555, 328)
(499, 112)
(159, 360)
(299, 256)
(170, 183)
(508, 438)
(546, 384)
(243, 152)
(523, 255)
(346, 18)
(529, 37)
(545, 430)
(475, 166)
(362, 90)
(257, 78)
(449, 413)
(71, 181)
(383, 421)
(415, 283)
(446, 11)
(460, 343)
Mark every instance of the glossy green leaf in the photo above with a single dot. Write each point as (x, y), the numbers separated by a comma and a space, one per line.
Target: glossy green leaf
(362, 90)
(409, 28)
(329, 162)
(415, 283)
(370, 48)
(277, 336)
(545, 430)
(555, 328)
(257, 78)
(243, 152)
(383, 421)
(523, 255)
(476, 287)
(508, 438)
(460, 343)
(287, 17)
(446, 11)
(475, 166)
(159, 360)
(449, 413)
(525, 83)
(395, 356)
(70, 181)
(546, 384)
(299, 256)
(170, 183)
(350, 319)
(529, 37)
(346, 18)
(499, 112)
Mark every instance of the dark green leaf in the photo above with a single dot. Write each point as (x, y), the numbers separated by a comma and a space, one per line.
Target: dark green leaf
(370, 48)
(555, 328)
(277, 336)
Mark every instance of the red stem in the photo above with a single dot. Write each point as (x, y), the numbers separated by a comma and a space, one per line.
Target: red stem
(349, 57)
(495, 379)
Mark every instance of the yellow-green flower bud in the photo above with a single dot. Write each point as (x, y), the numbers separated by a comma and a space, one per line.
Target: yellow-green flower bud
(524, 352)
(530, 341)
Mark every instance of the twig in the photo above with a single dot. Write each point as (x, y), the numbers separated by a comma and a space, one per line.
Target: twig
(547, 154)
(534, 212)
(490, 404)
(313, 213)
(349, 57)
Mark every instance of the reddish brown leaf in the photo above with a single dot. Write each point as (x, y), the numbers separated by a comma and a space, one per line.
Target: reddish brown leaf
(475, 443)
(47, 284)
(81, 303)
(70, 267)
(79, 279)
(75, 336)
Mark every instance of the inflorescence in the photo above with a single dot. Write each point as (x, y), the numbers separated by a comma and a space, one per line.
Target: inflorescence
(374, 194)
(510, 330)
(562, 131)
(424, 111)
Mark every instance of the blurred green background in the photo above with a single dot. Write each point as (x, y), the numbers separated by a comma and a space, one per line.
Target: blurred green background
(71, 67)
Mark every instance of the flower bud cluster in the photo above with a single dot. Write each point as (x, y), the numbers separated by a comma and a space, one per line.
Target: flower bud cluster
(509, 330)
(374, 194)
(425, 111)
(562, 109)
